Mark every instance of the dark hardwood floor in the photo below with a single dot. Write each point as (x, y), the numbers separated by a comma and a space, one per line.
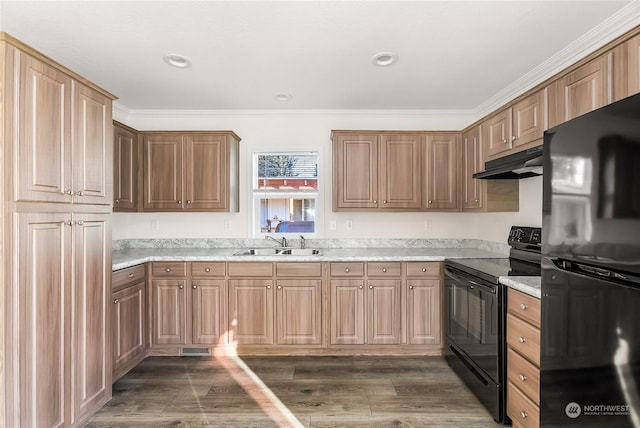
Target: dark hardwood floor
(357, 391)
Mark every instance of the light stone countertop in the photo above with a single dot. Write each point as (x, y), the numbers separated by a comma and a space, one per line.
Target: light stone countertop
(127, 257)
(530, 285)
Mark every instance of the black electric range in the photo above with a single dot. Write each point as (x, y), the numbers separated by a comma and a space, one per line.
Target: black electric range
(475, 316)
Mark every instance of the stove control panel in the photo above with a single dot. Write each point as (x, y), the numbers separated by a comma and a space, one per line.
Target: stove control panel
(529, 236)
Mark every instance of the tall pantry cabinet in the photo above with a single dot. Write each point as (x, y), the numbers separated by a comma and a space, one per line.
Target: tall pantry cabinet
(57, 149)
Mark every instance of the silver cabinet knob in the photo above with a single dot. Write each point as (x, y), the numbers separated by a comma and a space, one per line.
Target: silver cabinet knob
(115, 301)
(522, 339)
(167, 269)
(424, 269)
(70, 192)
(279, 287)
(268, 287)
(179, 201)
(384, 202)
(80, 222)
(505, 141)
(80, 193)
(130, 275)
(117, 201)
(523, 415)
(430, 202)
(347, 270)
(69, 222)
(371, 287)
(360, 287)
(384, 269)
(194, 286)
(513, 138)
(180, 287)
(207, 269)
(375, 201)
(522, 378)
(477, 201)
(188, 201)
(523, 306)
(411, 287)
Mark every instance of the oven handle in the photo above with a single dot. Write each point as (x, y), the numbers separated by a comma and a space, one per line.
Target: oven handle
(459, 278)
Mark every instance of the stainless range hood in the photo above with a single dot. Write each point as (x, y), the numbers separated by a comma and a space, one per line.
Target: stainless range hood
(527, 163)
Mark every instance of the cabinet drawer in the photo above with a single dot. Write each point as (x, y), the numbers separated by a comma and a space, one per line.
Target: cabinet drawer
(347, 269)
(168, 269)
(123, 277)
(520, 409)
(423, 269)
(525, 375)
(251, 269)
(299, 269)
(207, 269)
(524, 338)
(383, 269)
(524, 306)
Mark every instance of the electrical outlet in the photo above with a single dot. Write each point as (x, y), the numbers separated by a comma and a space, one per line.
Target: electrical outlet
(333, 225)
(349, 225)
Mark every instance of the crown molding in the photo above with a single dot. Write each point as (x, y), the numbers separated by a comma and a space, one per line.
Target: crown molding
(615, 26)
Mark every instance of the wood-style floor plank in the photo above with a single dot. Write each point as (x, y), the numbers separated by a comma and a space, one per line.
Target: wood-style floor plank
(344, 391)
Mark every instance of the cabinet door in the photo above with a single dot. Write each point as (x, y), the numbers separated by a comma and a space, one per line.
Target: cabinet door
(91, 345)
(529, 120)
(168, 306)
(43, 169)
(298, 312)
(92, 147)
(423, 312)
(441, 172)
(251, 311)
(497, 137)
(355, 169)
(581, 91)
(473, 190)
(347, 312)
(125, 169)
(127, 325)
(207, 297)
(162, 172)
(633, 67)
(43, 289)
(383, 311)
(400, 171)
(206, 173)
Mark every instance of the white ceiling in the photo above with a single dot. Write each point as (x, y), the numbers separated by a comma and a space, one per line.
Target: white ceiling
(453, 55)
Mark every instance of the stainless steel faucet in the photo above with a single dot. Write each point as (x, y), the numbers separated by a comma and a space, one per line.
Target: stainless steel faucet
(303, 244)
(282, 242)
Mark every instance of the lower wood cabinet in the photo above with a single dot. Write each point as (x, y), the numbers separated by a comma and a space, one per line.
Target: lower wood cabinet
(187, 303)
(60, 371)
(424, 303)
(128, 320)
(365, 309)
(281, 305)
(523, 359)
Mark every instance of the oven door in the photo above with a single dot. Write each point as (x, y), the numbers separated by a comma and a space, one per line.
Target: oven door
(474, 336)
(473, 322)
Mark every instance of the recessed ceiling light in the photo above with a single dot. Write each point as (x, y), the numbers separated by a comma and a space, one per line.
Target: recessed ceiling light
(282, 96)
(384, 59)
(176, 60)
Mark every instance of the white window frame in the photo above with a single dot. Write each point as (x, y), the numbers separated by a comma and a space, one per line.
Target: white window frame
(255, 195)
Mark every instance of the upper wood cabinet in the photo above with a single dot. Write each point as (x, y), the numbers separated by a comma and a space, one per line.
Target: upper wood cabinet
(376, 171)
(64, 147)
(190, 171)
(633, 65)
(125, 168)
(585, 89)
(518, 127)
(441, 160)
(484, 195)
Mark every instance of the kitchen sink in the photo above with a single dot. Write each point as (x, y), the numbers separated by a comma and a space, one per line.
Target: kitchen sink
(282, 251)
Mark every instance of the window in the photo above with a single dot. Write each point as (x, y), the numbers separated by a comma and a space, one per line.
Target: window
(285, 192)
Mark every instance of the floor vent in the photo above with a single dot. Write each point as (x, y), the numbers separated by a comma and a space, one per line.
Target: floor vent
(196, 351)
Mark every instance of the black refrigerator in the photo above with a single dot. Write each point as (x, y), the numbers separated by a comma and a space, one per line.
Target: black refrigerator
(590, 326)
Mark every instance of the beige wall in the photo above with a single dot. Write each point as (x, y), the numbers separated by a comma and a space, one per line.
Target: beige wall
(309, 130)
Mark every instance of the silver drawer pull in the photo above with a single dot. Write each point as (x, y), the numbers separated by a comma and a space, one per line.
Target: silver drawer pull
(207, 270)
(130, 275)
(424, 269)
(347, 270)
(384, 269)
(523, 306)
(167, 269)
(115, 301)
(522, 339)
(522, 378)
(523, 415)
